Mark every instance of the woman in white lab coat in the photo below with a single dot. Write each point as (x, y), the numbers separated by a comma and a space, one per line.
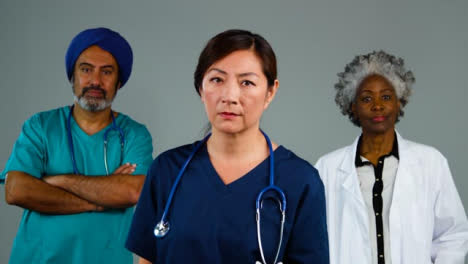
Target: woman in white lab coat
(389, 200)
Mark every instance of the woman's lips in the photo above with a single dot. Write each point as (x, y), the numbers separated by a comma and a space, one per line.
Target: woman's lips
(378, 118)
(228, 115)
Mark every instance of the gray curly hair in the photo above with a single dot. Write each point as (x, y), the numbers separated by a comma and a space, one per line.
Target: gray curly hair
(374, 63)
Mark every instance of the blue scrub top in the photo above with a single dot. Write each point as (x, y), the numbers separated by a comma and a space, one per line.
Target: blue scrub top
(215, 223)
(90, 237)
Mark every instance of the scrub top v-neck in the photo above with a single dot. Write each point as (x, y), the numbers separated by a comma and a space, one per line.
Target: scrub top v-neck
(223, 189)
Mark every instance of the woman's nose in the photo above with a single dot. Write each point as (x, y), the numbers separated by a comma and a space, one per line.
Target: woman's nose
(231, 93)
(377, 105)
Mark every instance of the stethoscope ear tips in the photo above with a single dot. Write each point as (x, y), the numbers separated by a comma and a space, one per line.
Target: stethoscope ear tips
(161, 229)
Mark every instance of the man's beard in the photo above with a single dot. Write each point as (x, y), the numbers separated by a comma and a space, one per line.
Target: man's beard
(90, 103)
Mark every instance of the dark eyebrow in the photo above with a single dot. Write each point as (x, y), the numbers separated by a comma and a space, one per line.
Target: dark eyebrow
(92, 66)
(387, 90)
(239, 75)
(218, 70)
(247, 74)
(107, 67)
(86, 64)
(366, 91)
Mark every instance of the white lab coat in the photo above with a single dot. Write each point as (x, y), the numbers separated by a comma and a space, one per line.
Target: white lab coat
(427, 221)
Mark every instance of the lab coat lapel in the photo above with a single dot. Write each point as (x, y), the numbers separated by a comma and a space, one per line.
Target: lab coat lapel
(403, 185)
(354, 221)
(348, 175)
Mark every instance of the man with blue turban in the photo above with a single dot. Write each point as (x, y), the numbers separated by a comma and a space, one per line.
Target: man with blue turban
(78, 170)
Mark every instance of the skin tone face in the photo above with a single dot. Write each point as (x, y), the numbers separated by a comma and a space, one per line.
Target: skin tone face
(235, 93)
(95, 81)
(376, 106)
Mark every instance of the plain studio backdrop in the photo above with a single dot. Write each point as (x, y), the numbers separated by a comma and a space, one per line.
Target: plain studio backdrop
(313, 40)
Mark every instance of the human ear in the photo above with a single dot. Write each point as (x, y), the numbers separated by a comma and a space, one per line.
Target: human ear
(271, 92)
(200, 92)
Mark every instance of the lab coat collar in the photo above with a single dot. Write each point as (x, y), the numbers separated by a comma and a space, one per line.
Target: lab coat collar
(347, 168)
(405, 152)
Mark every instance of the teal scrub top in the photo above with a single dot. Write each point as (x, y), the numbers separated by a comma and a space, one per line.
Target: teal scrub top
(91, 237)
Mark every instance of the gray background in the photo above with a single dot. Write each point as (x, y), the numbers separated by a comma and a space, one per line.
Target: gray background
(313, 41)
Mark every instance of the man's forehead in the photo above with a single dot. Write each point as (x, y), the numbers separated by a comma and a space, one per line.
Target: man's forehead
(96, 55)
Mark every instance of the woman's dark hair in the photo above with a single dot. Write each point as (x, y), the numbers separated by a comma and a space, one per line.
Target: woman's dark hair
(232, 40)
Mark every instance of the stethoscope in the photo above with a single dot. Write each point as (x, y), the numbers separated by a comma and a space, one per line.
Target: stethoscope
(114, 126)
(162, 227)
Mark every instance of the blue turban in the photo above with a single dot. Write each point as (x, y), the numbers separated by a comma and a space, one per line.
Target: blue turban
(107, 40)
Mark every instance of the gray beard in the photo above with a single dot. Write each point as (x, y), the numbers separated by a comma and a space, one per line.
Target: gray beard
(92, 105)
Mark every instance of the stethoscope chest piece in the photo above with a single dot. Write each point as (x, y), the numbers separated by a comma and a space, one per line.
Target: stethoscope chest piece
(161, 229)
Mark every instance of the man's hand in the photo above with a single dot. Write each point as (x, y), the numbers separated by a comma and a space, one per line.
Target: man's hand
(126, 168)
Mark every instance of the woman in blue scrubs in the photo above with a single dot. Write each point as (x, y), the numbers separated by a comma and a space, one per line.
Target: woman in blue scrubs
(212, 215)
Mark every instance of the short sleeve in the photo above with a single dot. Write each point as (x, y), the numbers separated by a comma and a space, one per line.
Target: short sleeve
(28, 154)
(141, 239)
(309, 237)
(139, 150)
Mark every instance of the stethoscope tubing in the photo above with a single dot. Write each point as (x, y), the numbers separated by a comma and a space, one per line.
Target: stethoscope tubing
(114, 126)
(179, 177)
(259, 236)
